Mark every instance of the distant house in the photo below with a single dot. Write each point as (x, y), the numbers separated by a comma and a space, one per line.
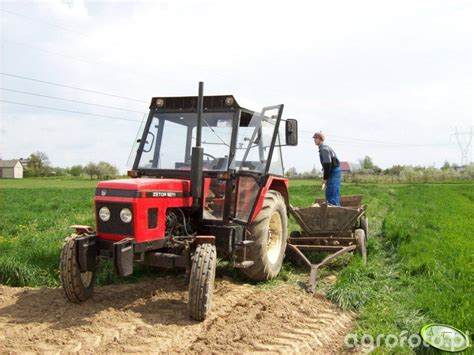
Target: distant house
(11, 169)
(345, 167)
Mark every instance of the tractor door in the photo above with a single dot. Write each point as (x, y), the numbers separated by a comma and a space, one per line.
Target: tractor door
(258, 153)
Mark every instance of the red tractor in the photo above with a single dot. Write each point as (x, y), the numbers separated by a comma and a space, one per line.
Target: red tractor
(207, 182)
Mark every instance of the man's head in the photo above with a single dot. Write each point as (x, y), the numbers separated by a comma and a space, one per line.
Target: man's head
(318, 138)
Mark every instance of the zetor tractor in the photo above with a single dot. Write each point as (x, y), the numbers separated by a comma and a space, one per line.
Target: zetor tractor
(207, 182)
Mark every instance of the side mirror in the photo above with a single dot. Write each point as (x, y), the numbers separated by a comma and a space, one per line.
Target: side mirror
(291, 132)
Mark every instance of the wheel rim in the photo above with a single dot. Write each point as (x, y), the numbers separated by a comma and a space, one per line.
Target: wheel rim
(275, 233)
(86, 278)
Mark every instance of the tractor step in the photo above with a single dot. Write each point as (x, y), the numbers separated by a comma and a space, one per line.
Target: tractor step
(243, 244)
(244, 264)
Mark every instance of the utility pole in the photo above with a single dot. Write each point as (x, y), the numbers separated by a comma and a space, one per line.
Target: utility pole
(464, 144)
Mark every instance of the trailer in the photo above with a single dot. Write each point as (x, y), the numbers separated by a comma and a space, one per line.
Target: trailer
(326, 228)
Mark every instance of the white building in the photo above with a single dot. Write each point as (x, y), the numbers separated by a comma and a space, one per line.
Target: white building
(11, 169)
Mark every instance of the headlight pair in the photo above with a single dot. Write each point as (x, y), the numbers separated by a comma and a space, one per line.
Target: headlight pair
(125, 214)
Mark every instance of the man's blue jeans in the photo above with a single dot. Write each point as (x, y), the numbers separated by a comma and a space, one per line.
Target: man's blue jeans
(333, 187)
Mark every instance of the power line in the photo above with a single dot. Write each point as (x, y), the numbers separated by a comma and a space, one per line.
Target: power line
(68, 56)
(70, 111)
(45, 22)
(389, 144)
(363, 144)
(69, 100)
(355, 139)
(362, 141)
(84, 34)
(72, 87)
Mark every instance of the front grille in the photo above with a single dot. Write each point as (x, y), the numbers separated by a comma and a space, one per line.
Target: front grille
(114, 225)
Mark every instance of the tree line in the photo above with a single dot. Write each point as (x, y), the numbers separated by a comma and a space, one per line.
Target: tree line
(39, 165)
(365, 170)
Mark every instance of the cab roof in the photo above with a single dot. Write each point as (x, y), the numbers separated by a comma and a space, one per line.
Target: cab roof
(213, 103)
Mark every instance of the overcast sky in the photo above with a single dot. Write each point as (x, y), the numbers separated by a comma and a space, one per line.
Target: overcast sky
(388, 79)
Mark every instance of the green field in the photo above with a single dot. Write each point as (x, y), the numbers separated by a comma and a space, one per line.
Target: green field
(421, 246)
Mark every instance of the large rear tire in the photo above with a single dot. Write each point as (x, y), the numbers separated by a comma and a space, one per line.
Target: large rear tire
(201, 282)
(78, 286)
(269, 233)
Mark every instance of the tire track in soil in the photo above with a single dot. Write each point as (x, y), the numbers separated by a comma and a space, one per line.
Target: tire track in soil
(152, 316)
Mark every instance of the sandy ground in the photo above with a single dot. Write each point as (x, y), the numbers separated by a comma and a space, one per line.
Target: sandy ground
(152, 317)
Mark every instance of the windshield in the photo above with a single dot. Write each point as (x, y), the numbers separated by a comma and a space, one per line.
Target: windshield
(171, 136)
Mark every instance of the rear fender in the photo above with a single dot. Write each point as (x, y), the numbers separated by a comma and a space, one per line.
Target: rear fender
(279, 184)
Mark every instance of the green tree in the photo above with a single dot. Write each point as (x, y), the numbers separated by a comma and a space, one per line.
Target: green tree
(106, 170)
(38, 165)
(76, 170)
(57, 171)
(446, 166)
(394, 170)
(92, 170)
(291, 172)
(367, 165)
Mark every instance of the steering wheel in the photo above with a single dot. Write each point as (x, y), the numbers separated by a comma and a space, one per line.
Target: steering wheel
(209, 161)
(210, 156)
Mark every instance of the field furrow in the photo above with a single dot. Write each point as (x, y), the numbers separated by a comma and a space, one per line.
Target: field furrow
(152, 316)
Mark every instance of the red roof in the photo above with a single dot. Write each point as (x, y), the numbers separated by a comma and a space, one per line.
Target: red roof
(344, 166)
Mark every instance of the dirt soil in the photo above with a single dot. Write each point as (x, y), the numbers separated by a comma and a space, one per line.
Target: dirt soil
(152, 317)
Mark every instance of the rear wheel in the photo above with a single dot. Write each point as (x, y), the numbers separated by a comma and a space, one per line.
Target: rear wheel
(269, 234)
(201, 282)
(78, 286)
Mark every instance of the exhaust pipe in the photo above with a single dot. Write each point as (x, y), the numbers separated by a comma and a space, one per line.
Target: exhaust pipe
(197, 153)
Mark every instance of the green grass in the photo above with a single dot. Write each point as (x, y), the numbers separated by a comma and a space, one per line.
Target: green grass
(420, 249)
(432, 228)
(35, 219)
(48, 183)
(420, 266)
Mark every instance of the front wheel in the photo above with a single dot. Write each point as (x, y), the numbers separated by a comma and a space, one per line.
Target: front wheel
(78, 286)
(201, 282)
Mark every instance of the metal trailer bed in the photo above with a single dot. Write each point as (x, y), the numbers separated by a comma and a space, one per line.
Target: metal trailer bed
(337, 230)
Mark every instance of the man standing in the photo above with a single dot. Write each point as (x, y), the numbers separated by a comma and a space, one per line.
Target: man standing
(332, 174)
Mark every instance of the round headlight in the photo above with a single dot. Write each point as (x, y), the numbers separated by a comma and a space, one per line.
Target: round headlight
(104, 214)
(126, 215)
(160, 102)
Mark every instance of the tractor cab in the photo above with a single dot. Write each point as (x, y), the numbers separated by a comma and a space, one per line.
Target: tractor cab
(241, 148)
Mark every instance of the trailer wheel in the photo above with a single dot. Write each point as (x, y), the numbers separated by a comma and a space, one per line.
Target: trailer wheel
(361, 243)
(269, 234)
(78, 286)
(364, 224)
(201, 283)
(295, 234)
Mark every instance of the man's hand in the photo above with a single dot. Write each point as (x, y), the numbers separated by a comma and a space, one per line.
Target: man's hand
(323, 186)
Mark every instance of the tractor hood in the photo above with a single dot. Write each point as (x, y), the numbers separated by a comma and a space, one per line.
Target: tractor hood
(150, 187)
